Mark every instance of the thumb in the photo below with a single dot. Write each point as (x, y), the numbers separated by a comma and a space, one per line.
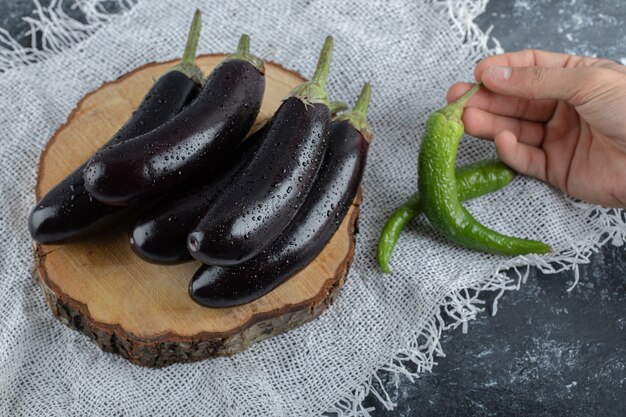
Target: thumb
(540, 82)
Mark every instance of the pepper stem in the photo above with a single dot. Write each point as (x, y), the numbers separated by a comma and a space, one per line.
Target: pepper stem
(358, 116)
(461, 101)
(243, 53)
(454, 110)
(188, 64)
(314, 91)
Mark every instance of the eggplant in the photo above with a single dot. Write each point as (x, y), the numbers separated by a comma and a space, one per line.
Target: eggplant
(191, 145)
(316, 222)
(159, 234)
(259, 204)
(68, 211)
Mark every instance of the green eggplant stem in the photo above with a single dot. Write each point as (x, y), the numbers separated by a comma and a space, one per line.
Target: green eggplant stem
(188, 63)
(243, 53)
(337, 106)
(243, 47)
(189, 56)
(358, 116)
(363, 102)
(314, 91)
(323, 63)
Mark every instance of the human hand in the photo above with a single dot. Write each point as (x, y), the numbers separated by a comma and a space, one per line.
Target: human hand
(556, 117)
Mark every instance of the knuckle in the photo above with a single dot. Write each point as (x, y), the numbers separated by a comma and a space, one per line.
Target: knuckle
(534, 80)
(538, 76)
(603, 63)
(595, 76)
(530, 53)
(594, 82)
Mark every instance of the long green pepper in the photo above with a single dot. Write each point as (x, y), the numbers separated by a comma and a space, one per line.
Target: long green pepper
(438, 188)
(473, 180)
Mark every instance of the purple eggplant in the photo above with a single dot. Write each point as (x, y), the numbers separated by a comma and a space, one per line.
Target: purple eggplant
(160, 233)
(191, 145)
(256, 207)
(308, 233)
(68, 211)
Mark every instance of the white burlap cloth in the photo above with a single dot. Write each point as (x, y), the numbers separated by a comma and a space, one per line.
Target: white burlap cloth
(411, 52)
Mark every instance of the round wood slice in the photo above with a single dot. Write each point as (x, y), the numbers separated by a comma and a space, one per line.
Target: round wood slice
(141, 310)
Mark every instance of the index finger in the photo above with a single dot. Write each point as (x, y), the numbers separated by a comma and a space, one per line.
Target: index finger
(526, 58)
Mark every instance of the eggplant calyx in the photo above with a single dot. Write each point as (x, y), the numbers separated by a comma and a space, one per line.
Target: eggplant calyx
(314, 91)
(190, 70)
(337, 106)
(358, 116)
(188, 64)
(243, 53)
(310, 93)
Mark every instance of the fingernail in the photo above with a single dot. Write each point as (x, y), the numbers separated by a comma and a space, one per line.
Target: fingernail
(500, 73)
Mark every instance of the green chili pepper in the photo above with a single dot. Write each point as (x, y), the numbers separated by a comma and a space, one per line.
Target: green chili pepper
(472, 181)
(438, 188)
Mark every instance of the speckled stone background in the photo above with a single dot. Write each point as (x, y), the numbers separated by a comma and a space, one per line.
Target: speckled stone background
(547, 352)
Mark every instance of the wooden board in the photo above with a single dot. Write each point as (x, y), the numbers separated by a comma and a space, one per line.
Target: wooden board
(141, 310)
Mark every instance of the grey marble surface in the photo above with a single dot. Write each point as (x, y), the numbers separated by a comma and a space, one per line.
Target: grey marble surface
(547, 351)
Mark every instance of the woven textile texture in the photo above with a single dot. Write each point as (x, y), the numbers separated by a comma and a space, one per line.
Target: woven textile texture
(411, 51)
